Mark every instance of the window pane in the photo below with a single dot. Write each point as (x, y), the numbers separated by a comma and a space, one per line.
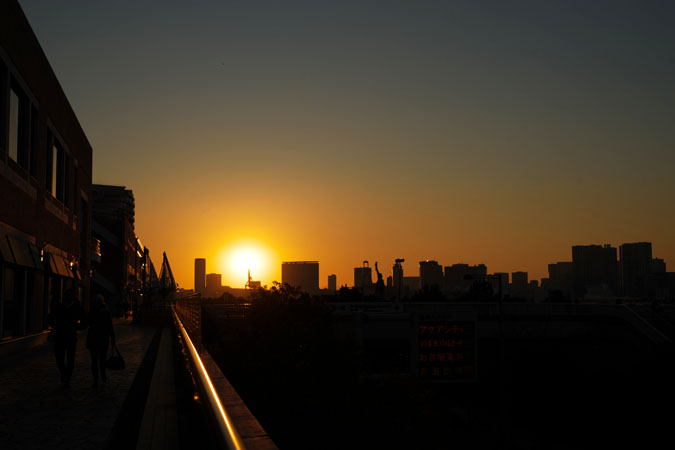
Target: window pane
(55, 166)
(13, 125)
(60, 172)
(75, 189)
(66, 180)
(34, 140)
(49, 159)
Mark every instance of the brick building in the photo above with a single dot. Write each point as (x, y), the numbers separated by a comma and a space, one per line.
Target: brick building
(45, 184)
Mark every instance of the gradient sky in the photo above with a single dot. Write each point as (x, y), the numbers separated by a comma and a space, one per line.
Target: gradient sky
(479, 132)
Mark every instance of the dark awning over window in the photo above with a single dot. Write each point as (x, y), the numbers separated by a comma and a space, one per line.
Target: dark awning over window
(21, 252)
(52, 264)
(59, 266)
(5, 252)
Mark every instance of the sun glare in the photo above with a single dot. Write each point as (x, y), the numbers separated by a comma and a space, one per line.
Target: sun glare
(239, 258)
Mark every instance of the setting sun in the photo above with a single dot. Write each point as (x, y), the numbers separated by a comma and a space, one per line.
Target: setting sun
(238, 258)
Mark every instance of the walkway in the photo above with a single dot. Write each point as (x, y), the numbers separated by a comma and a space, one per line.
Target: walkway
(36, 412)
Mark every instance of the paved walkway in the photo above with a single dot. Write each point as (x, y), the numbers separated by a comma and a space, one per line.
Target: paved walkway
(159, 427)
(36, 412)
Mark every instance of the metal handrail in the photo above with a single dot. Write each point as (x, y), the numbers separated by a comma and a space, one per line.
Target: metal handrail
(225, 425)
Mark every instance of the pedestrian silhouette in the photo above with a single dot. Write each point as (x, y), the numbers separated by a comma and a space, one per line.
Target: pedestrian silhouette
(101, 335)
(67, 318)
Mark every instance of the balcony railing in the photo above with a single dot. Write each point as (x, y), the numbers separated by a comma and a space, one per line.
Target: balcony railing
(235, 426)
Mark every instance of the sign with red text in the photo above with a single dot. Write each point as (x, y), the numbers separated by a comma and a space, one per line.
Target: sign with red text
(447, 350)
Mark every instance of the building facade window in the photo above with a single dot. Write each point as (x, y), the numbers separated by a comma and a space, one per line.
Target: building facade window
(23, 129)
(49, 159)
(3, 105)
(59, 169)
(34, 141)
(75, 189)
(13, 149)
(66, 180)
(57, 164)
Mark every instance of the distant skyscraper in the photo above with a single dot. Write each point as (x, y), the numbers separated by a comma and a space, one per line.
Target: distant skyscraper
(504, 277)
(363, 276)
(519, 280)
(657, 266)
(332, 282)
(200, 275)
(431, 274)
(455, 276)
(301, 274)
(397, 273)
(410, 284)
(560, 277)
(213, 285)
(635, 260)
(595, 268)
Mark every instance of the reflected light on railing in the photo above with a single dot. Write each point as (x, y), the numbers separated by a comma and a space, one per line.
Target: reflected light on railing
(231, 437)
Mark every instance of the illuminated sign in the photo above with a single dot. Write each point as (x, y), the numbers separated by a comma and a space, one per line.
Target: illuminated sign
(446, 350)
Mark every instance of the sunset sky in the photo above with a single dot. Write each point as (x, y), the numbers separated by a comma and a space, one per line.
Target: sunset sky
(487, 132)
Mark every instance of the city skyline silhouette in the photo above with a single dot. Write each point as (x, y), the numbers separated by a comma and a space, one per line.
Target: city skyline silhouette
(355, 224)
(497, 134)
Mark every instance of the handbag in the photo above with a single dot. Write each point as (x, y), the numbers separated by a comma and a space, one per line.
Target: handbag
(115, 361)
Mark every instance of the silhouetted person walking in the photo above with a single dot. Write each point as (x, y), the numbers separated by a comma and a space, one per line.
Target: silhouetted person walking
(101, 335)
(67, 318)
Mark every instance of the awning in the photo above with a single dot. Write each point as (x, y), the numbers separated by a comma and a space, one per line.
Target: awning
(59, 266)
(21, 252)
(5, 252)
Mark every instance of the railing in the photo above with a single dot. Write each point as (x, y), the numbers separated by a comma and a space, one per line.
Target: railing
(190, 311)
(641, 323)
(226, 429)
(244, 431)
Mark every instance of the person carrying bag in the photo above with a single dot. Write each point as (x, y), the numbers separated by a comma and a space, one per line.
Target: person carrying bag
(115, 361)
(101, 335)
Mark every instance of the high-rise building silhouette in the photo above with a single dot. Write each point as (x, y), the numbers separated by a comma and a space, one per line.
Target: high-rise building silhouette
(397, 273)
(214, 283)
(657, 265)
(120, 267)
(560, 278)
(363, 276)
(332, 282)
(431, 275)
(520, 286)
(200, 275)
(113, 204)
(301, 274)
(635, 260)
(595, 270)
(455, 277)
(519, 280)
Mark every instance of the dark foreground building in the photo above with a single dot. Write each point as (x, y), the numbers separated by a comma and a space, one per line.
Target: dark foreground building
(45, 183)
